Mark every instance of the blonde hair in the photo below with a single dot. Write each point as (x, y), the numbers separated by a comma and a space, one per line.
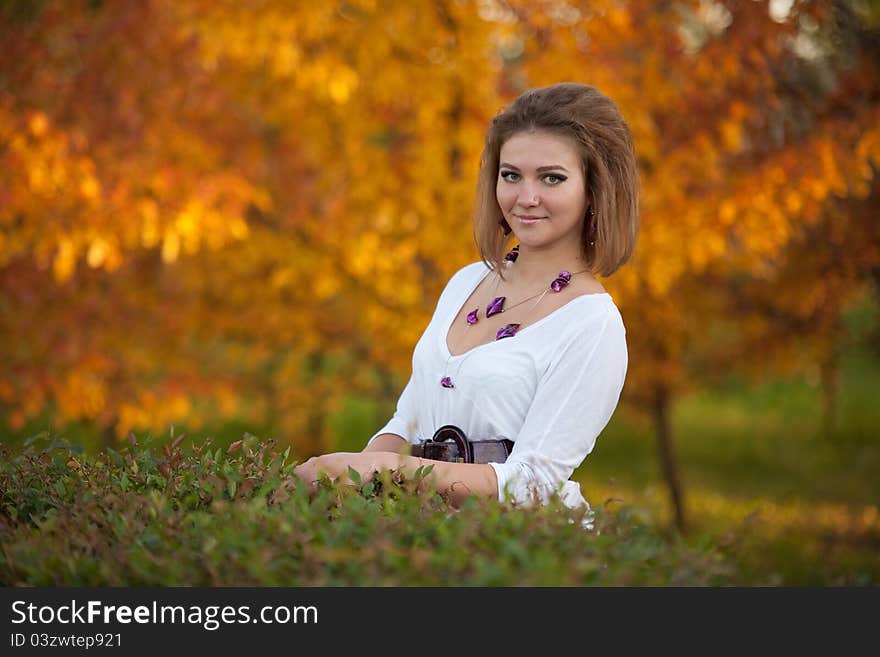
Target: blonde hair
(611, 178)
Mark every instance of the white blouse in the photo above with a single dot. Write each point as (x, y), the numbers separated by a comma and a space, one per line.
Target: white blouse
(551, 388)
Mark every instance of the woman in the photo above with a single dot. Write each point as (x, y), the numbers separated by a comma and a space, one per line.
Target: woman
(525, 344)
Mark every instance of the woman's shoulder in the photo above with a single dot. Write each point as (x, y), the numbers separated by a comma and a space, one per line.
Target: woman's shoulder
(591, 331)
(587, 313)
(600, 316)
(587, 323)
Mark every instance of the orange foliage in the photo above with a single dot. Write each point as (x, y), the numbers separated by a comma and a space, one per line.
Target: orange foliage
(244, 212)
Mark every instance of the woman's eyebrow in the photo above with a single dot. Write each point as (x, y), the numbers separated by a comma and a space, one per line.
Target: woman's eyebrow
(550, 167)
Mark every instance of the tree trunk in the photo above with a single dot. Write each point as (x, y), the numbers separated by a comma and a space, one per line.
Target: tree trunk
(830, 384)
(312, 444)
(108, 436)
(667, 457)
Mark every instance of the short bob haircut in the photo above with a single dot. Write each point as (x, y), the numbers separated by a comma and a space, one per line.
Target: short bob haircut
(594, 123)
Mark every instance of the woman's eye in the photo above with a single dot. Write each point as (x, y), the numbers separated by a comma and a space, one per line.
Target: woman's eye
(550, 178)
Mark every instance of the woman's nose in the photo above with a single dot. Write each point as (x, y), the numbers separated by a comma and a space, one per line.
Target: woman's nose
(528, 195)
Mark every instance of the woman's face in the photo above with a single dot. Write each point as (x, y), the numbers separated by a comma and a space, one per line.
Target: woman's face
(540, 188)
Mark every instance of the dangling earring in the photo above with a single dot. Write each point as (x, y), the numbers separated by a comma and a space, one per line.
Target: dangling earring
(505, 226)
(592, 226)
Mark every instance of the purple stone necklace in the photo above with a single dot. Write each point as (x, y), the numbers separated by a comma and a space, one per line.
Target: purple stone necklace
(496, 306)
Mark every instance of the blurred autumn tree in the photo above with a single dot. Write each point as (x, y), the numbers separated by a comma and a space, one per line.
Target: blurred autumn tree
(789, 314)
(235, 212)
(211, 211)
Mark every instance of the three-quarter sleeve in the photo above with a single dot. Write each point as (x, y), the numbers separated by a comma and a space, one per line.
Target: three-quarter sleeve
(574, 400)
(404, 422)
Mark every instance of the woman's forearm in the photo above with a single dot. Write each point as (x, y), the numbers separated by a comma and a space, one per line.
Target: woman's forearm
(457, 480)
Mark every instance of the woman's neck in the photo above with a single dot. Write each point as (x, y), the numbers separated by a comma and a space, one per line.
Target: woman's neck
(534, 268)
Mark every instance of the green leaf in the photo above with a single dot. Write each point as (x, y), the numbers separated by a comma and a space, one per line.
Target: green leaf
(60, 443)
(354, 475)
(116, 457)
(37, 436)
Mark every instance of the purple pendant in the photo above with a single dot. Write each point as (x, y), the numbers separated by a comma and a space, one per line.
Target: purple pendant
(446, 382)
(472, 317)
(512, 254)
(561, 281)
(508, 331)
(495, 307)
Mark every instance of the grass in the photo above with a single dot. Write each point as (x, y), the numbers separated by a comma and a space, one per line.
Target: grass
(755, 463)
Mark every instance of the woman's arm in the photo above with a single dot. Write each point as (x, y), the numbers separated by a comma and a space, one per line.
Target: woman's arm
(386, 442)
(575, 398)
(457, 480)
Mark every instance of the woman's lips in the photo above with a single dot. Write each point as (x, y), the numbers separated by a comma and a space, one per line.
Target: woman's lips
(528, 220)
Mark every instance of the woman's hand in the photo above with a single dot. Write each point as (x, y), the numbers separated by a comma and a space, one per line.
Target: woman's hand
(336, 466)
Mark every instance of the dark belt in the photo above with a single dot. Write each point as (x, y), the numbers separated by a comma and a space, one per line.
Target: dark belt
(449, 443)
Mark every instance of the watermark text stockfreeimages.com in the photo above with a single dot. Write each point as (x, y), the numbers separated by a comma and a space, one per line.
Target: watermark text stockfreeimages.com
(210, 617)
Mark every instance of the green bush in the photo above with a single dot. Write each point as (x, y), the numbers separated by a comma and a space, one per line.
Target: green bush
(197, 516)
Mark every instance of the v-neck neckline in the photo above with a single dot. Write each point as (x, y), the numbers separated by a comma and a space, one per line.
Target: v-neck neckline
(457, 308)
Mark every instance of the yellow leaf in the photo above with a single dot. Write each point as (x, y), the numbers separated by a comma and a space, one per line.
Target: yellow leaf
(38, 124)
(97, 253)
(238, 228)
(65, 261)
(731, 134)
(341, 85)
(326, 287)
(149, 224)
(89, 188)
(793, 201)
(170, 246)
(727, 212)
(188, 219)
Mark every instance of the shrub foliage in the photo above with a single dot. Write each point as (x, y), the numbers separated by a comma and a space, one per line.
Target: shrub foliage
(195, 515)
